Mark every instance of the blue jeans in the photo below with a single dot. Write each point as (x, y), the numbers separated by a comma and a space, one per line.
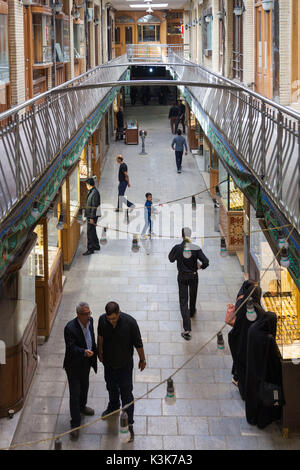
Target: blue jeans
(178, 156)
(119, 382)
(121, 191)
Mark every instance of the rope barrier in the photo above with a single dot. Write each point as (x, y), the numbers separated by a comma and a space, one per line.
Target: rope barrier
(58, 436)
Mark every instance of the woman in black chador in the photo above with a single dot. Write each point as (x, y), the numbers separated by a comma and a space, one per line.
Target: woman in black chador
(263, 364)
(237, 337)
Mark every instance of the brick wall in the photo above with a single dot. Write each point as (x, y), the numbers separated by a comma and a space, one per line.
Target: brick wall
(285, 9)
(248, 42)
(16, 51)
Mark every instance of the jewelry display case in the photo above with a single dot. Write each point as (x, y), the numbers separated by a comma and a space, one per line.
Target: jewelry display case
(231, 212)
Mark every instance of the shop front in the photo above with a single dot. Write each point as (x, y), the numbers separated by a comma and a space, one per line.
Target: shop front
(231, 212)
(90, 163)
(18, 330)
(281, 296)
(48, 268)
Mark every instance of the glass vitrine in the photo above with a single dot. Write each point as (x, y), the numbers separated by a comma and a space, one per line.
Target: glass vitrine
(42, 31)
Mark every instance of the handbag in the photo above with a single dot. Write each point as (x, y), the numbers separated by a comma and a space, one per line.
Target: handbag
(269, 394)
(230, 313)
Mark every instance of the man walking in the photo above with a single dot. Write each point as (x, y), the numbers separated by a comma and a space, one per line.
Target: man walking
(123, 183)
(178, 144)
(187, 257)
(80, 356)
(180, 116)
(118, 333)
(173, 114)
(92, 203)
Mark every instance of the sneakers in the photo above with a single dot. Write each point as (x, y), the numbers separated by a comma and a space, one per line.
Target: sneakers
(186, 335)
(130, 427)
(108, 411)
(178, 171)
(235, 382)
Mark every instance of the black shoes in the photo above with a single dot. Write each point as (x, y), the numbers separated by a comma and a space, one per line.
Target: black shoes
(108, 411)
(74, 434)
(87, 411)
(130, 428)
(88, 252)
(186, 336)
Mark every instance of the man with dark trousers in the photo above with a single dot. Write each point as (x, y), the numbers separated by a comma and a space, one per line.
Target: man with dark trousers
(80, 356)
(178, 144)
(180, 116)
(92, 203)
(118, 334)
(187, 256)
(173, 114)
(120, 124)
(123, 183)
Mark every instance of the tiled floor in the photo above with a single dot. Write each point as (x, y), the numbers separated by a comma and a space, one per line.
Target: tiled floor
(208, 413)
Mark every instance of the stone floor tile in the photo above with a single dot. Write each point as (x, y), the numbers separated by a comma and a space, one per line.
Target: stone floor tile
(241, 443)
(232, 408)
(166, 425)
(178, 443)
(147, 375)
(148, 407)
(224, 426)
(204, 407)
(50, 389)
(192, 425)
(210, 443)
(181, 407)
(84, 442)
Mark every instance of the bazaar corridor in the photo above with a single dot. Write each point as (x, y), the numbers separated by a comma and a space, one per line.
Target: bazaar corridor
(208, 413)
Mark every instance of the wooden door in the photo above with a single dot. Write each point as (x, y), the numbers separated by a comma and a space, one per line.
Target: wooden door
(123, 37)
(263, 52)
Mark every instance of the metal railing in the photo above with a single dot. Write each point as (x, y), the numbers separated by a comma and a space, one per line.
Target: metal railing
(154, 52)
(264, 134)
(39, 128)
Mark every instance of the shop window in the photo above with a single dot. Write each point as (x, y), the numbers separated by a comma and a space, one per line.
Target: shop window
(117, 35)
(79, 40)
(207, 32)
(237, 61)
(149, 19)
(74, 192)
(42, 38)
(124, 19)
(4, 70)
(148, 33)
(232, 196)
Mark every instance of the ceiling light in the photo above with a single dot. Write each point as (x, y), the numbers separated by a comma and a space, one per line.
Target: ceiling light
(149, 10)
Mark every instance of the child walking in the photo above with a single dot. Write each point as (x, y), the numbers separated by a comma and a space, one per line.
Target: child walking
(148, 214)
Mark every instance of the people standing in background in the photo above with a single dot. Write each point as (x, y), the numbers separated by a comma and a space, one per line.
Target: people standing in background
(180, 116)
(123, 183)
(187, 257)
(120, 124)
(133, 94)
(80, 356)
(173, 114)
(118, 335)
(178, 144)
(92, 203)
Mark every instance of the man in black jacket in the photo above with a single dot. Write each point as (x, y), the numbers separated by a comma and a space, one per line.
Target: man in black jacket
(180, 116)
(92, 202)
(187, 256)
(80, 356)
(173, 114)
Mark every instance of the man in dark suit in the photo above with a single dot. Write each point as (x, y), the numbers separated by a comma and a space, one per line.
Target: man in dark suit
(80, 356)
(92, 202)
(187, 256)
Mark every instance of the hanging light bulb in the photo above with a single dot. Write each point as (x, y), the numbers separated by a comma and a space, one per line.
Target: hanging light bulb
(35, 210)
(193, 203)
(135, 243)
(124, 431)
(220, 340)
(282, 242)
(60, 224)
(284, 260)
(223, 247)
(80, 217)
(170, 396)
(57, 444)
(251, 313)
(103, 239)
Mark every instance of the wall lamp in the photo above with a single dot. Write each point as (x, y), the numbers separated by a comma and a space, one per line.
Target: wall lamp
(268, 5)
(208, 18)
